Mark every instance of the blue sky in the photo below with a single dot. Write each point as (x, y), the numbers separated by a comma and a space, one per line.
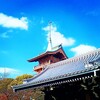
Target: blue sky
(24, 30)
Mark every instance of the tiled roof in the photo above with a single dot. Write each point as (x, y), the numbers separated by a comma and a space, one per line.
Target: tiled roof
(53, 52)
(65, 69)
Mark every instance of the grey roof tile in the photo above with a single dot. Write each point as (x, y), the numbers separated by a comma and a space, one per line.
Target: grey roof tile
(63, 69)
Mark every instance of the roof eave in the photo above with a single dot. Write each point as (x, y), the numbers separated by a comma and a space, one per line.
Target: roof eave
(44, 54)
(78, 76)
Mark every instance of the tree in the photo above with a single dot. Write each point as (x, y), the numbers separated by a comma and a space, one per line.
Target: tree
(6, 92)
(4, 88)
(4, 84)
(20, 94)
(19, 80)
(3, 97)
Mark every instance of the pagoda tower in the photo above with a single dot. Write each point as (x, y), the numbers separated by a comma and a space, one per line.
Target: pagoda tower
(52, 55)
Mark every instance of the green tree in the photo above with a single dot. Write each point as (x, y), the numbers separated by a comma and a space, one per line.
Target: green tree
(4, 88)
(6, 92)
(4, 84)
(19, 80)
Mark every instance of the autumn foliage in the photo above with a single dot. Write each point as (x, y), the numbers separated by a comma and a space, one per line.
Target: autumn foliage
(6, 92)
(3, 97)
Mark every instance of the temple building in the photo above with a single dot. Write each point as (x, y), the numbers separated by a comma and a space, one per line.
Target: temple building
(55, 55)
(63, 78)
(52, 54)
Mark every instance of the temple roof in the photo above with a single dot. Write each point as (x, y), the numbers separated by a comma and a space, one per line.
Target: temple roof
(54, 51)
(65, 71)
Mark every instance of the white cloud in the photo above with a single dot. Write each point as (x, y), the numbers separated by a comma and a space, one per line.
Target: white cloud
(8, 70)
(5, 34)
(12, 22)
(81, 49)
(50, 28)
(57, 37)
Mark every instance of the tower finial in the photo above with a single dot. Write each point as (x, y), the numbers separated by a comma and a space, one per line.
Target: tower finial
(49, 48)
(50, 40)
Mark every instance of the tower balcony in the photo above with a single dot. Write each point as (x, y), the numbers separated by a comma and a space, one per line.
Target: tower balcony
(40, 67)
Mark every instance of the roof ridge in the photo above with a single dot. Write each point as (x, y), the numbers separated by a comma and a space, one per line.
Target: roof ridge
(75, 58)
(26, 80)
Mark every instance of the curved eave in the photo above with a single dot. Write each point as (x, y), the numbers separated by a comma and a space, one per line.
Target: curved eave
(47, 53)
(71, 77)
(68, 70)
